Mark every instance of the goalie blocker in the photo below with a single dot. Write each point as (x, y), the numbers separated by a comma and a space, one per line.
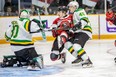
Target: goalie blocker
(11, 60)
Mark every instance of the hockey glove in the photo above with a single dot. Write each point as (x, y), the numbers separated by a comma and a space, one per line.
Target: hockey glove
(54, 32)
(77, 26)
(66, 27)
(38, 23)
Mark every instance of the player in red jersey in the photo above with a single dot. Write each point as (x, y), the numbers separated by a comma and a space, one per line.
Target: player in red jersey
(111, 17)
(60, 30)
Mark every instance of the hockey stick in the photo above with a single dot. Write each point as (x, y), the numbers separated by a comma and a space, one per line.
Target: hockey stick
(113, 7)
(65, 28)
(47, 30)
(41, 26)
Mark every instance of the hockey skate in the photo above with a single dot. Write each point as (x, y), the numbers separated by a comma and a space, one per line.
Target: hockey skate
(33, 68)
(38, 64)
(77, 61)
(87, 64)
(63, 57)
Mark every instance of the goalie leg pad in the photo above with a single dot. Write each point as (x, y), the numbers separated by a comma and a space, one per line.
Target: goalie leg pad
(38, 61)
(9, 61)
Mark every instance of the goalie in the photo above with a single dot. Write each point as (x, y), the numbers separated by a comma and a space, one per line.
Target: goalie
(60, 30)
(20, 36)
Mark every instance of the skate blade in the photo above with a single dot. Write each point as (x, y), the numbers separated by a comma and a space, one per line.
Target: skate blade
(87, 66)
(77, 63)
(34, 69)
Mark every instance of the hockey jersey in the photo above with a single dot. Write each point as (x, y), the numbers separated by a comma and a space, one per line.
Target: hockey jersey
(81, 16)
(19, 33)
(63, 23)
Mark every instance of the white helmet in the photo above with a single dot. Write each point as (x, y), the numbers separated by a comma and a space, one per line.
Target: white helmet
(74, 3)
(24, 14)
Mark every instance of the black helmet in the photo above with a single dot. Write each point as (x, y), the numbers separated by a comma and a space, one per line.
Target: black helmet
(62, 8)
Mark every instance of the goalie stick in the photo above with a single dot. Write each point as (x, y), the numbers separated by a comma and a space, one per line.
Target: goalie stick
(42, 32)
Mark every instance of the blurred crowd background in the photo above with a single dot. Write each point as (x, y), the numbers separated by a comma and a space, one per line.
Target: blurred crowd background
(49, 7)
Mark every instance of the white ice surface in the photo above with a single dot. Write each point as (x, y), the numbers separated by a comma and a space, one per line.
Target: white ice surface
(103, 62)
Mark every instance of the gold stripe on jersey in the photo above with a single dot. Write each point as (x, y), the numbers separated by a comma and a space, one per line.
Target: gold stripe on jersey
(22, 43)
(85, 19)
(26, 26)
(88, 28)
(81, 51)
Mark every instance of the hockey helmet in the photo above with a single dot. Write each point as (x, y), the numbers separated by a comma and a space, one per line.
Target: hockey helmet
(62, 8)
(74, 3)
(24, 14)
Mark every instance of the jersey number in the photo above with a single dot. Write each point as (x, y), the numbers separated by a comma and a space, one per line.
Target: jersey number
(82, 14)
(15, 29)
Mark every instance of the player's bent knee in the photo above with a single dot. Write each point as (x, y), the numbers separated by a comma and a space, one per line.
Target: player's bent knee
(68, 45)
(77, 47)
(53, 56)
(63, 39)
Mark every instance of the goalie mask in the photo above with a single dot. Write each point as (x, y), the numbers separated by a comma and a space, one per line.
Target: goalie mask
(24, 14)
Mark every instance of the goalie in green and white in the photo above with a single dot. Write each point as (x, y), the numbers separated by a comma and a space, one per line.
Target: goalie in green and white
(19, 34)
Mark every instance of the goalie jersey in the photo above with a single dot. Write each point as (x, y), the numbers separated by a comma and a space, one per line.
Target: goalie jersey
(19, 33)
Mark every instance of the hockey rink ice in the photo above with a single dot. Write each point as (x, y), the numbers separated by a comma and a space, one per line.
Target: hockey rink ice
(101, 52)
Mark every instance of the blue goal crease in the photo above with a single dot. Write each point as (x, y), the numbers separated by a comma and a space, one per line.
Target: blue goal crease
(23, 72)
